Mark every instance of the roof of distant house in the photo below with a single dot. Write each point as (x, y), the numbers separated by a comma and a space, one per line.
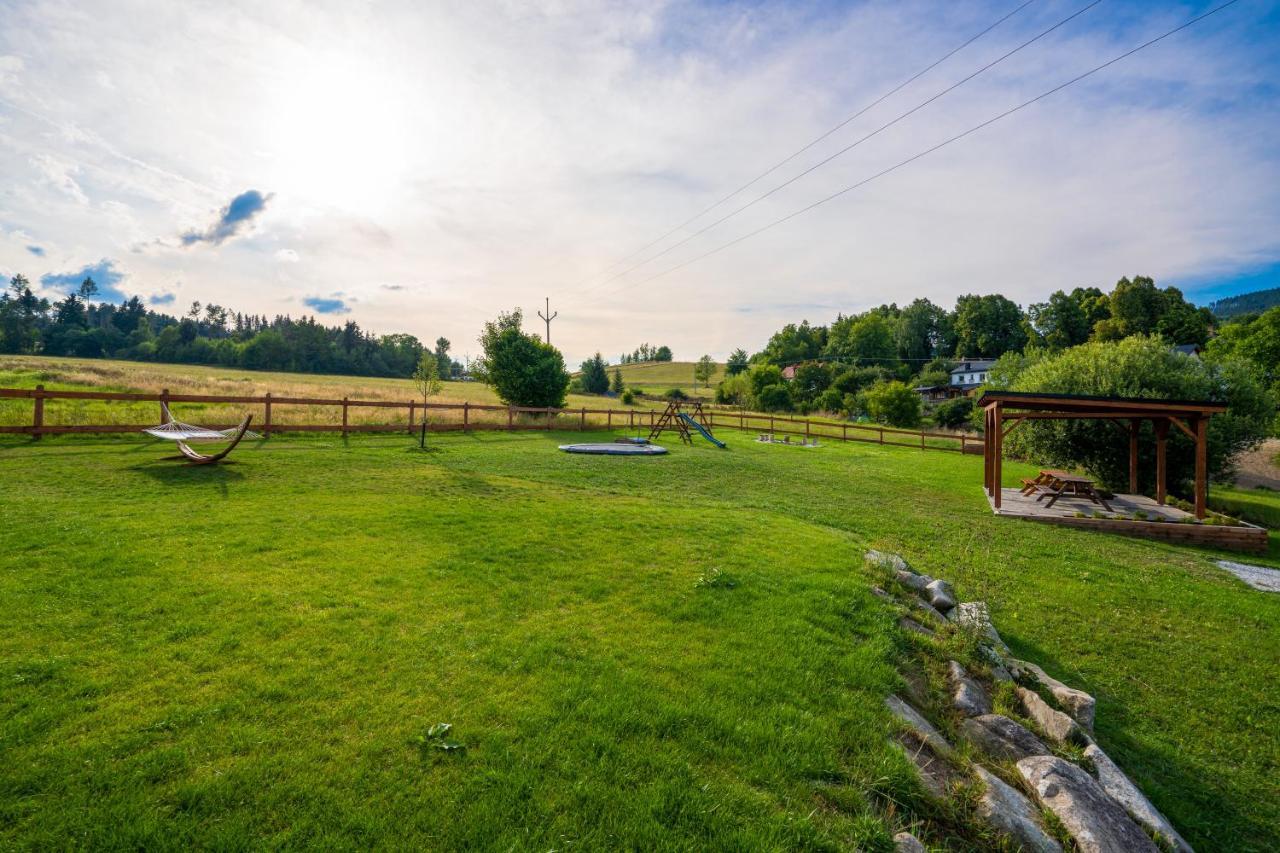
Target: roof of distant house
(972, 364)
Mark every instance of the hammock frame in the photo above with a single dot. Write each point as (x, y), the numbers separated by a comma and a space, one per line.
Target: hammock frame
(183, 434)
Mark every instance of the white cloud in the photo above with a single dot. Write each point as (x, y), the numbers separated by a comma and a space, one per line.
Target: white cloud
(492, 154)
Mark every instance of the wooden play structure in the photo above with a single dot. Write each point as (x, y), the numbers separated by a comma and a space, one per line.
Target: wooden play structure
(673, 418)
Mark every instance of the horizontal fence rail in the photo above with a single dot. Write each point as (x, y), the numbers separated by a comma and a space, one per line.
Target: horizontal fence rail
(473, 416)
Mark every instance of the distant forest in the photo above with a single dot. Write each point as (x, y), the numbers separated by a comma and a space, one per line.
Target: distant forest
(1246, 303)
(209, 334)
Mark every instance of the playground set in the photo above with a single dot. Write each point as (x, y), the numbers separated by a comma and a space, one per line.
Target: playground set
(674, 418)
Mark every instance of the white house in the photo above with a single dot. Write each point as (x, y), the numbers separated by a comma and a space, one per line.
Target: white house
(969, 374)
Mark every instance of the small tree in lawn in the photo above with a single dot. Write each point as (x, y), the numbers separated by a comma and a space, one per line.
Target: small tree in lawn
(704, 370)
(427, 378)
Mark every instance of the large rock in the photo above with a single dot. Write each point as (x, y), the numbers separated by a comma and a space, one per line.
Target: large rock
(1096, 822)
(1002, 738)
(905, 842)
(927, 609)
(1007, 810)
(918, 724)
(1051, 721)
(941, 595)
(967, 695)
(906, 577)
(908, 624)
(975, 616)
(890, 561)
(1124, 792)
(1078, 703)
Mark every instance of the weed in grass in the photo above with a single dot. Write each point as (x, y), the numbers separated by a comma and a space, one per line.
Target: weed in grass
(715, 578)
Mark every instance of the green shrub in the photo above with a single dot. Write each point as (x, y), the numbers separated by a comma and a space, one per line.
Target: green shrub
(829, 400)
(892, 403)
(522, 369)
(628, 397)
(774, 398)
(675, 394)
(954, 413)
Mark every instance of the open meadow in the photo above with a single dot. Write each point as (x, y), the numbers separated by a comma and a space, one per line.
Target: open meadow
(659, 377)
(677, 652)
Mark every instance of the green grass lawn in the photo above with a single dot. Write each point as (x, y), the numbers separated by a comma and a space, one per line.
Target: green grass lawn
(1260, 506)
(254, 654)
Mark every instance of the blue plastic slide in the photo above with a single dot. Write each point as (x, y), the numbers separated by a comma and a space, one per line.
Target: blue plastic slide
(700, 428)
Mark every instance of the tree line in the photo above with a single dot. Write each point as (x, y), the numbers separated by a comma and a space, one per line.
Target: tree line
(867, 365)
(209, 334)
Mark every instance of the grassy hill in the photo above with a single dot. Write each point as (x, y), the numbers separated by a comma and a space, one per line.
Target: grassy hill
(254, 655)
(1246, 303)
(656, 377)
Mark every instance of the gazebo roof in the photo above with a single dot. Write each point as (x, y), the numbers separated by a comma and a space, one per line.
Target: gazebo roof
(1084, 405)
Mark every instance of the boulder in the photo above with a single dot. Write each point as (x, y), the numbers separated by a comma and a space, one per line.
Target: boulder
(1002, 738)
(1096, 822)
(975, 616)
(1051, 721)
(1079, 704)
(881, 594)
(906, 577)
(1123, 791)
(891, 561)
(967, 695)
(928, 610)
(918, 724)
(908, 624)
(905, 842)
(941, 595)
(1007, 810)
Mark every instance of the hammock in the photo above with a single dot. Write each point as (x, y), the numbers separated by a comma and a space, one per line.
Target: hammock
(182, 433)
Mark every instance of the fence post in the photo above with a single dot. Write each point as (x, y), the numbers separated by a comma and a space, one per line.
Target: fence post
(806, 428)
(266, 419)
(844, 432)
(412, 405)
(922, 439)
(548, 419)
(882, 435)
(510, 419)
(344, 417)
(164, 403)
(37, 417)
(582, 425)
(608, 422)
(770, 423)
(466, 416)
(631, 422)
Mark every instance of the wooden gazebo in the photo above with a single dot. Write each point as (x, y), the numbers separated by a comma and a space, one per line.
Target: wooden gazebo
(1192, 417)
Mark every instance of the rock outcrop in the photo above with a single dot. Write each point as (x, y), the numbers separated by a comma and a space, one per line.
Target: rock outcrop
(1123, 791)
(1007, 810)
(1051, 721)
(967, 695)
(1002, 738)
(1097, 823)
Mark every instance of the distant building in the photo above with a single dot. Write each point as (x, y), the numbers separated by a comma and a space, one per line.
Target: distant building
(1192, 350)
(969, 374)
(789, 372)
(936, 393)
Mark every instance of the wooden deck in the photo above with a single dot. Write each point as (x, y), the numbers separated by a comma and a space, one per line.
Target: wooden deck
(1170, 527)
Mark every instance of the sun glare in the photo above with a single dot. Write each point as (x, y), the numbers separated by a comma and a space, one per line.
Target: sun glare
(339, 135)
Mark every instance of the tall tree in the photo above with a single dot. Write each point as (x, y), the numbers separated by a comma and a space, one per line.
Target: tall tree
(988, 327)
(1061, 321)
(444, 362)
(738, 361)
(595, 375)
(704, 369)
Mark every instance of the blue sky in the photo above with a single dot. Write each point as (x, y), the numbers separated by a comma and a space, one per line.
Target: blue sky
(423, 168)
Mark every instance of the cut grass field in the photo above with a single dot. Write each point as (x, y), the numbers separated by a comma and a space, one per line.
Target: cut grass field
(675, 653)
(658, 377)
(71, 374)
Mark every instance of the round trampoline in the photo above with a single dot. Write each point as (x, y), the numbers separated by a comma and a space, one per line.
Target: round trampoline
(615, 449)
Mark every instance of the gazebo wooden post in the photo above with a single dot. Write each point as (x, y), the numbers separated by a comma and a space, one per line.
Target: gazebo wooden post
(986, 450)
(1162, 438)
(999, 441)
(1133, 456)
(1202, 465)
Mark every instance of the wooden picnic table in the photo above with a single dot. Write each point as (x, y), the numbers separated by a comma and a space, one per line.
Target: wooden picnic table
(1055, 484)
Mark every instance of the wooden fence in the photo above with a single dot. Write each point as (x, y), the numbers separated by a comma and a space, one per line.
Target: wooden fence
(474, 416)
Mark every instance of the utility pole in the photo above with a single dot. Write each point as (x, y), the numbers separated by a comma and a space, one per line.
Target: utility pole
(548, 317)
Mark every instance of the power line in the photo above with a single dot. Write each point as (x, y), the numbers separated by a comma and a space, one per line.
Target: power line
(939, 146)
(850, 146)
(812, 143)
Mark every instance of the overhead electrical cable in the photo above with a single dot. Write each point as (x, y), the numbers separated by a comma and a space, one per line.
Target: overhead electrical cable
(811, 143)
(937, 147)
(848, 147)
